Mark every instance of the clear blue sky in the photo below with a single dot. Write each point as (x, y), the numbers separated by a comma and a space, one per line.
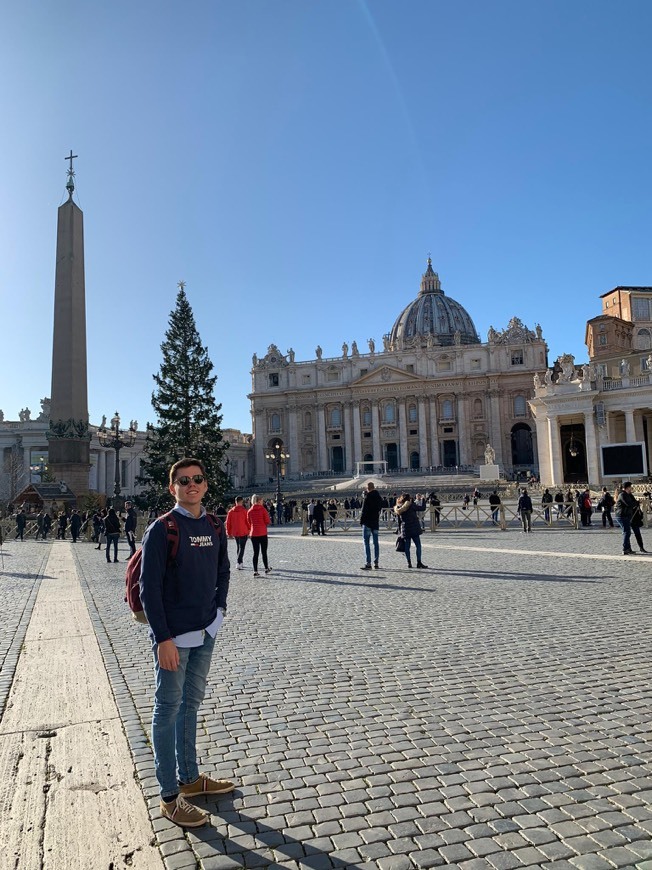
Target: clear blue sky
(295, 162)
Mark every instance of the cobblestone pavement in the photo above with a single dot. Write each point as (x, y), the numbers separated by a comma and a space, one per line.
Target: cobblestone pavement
(491, 712)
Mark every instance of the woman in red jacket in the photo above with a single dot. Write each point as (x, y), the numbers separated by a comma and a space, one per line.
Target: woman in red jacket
(259, 519)
(238, 527)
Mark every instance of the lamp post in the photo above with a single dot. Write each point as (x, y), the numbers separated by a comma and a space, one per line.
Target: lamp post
(117, 438)
(39, 468)
(278, 456)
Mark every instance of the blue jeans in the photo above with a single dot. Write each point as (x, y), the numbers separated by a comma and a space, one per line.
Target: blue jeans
(368, 533)
(174, 721)
(417, 545)
(625, 524)
(112, 538)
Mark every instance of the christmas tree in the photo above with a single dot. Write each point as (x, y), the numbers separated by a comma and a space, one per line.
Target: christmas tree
(188, 418)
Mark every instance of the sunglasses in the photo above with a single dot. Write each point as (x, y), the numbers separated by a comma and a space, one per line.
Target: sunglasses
(185, 480)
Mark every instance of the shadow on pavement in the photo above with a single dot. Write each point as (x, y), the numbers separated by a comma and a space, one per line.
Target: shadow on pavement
(435, 573)
(267, 838)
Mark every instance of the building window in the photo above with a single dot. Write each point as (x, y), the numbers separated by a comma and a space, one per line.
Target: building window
(389, 413)
(444, 365)
(335, 437)
(275, 423)
(478, 412)
(475, 365)
(601, 370)
(643, 339)
(412, 414)
(414, 432)
(332, 375)
(366, 417)
(307, 420)
(363, 372)
(517, 357)
(602, 340)
(447, 409)
(273, 379)
(520, 407)
(641, 308)
(366, 435)
(644, 364)
(410, 368)
(305, 379)
(336, 417)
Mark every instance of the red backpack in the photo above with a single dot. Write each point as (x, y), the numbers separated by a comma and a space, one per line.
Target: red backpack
(132, 577)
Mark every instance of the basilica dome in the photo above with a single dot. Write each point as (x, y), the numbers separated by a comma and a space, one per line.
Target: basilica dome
(432, 318)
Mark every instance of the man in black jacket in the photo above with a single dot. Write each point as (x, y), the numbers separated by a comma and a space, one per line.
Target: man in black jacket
(131, 522)
(370, 521)
(626, 505)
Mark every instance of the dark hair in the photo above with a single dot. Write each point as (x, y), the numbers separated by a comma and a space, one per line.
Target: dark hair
(626, 484)
(406, 496)
(186, 463)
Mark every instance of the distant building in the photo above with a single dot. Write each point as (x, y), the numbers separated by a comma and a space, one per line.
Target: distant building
(432, 397)
(608, 401)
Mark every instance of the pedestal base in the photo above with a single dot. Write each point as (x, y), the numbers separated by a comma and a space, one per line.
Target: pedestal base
(489, 472)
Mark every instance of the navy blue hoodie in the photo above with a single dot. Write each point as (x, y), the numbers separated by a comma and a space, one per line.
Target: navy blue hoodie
(185, 596)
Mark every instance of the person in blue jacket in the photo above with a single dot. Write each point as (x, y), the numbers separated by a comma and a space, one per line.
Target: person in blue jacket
(185, 603)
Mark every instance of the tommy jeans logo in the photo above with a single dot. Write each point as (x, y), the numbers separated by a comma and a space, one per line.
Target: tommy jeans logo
(200, 540)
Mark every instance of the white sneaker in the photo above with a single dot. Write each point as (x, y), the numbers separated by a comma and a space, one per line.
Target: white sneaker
(240, 566)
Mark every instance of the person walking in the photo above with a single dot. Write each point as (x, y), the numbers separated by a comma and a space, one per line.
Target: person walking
(370, 522)
(75, 525)
(626, 506)
(585, 506)
(494, 504)
(131, 522)
(259, 519)
(606, 505)
(112, 532)
(47, 525)
(238, 527)
(21, 522)
(40, 525)
(559, 502)
(406, 510)
(524, 510)
(637, 522)
(184, 619)
(62, 525)
(318, 517)
(546, 501)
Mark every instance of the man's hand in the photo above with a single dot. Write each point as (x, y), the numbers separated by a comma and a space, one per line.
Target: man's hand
(168, 655)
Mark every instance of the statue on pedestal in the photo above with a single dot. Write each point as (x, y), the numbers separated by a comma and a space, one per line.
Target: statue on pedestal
(372, 345)
(318, 351)
(291, 354)
(354, 349)
(345, 350)
(489, 455)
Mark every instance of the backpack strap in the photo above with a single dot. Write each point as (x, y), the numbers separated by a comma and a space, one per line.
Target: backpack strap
(172, 531)
(216, 522)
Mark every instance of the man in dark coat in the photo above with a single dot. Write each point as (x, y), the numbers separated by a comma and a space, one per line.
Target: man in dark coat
(318, 516)
(370, 522)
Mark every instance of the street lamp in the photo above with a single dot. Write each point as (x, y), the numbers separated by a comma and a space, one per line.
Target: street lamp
(116, 438)
(278, 456)
(40, 467)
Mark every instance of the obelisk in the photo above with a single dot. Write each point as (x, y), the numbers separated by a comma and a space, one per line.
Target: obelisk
(68, 436)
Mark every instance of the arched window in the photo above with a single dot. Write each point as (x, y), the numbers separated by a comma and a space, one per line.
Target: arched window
(366, 416)
(412, 413)
(307, 420)
(643, 339)
(336, 416)
(520, 408)
(275, 423)
(477, 408)
(447, 410)
(389, 412)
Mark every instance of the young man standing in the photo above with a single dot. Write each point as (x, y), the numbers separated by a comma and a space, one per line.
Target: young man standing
(370, 521)
(185, 603)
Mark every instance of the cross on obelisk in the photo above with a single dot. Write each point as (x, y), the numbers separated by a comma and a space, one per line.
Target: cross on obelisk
(70, 184)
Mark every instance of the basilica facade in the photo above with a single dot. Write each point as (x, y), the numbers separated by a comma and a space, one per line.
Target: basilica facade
(433, 396)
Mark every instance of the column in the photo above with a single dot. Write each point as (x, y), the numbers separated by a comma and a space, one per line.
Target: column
(403, 453)
(434, 433)
(321, 435)
(357, 437)
(462, 431)
(294, 462)
(101, 470)
(556, 464)
(423, 433)
(592, 463)
(495, 428)
(375, 432)
(348, 439)
(630, 429)
(543, 449)
(261, 468)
